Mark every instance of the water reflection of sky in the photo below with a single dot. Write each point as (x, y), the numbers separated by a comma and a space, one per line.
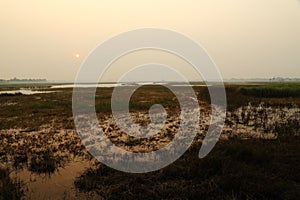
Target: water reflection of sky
(107, 85)
(24, 92)
(103, 85)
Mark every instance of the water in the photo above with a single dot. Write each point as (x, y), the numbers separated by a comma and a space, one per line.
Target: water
(185, 85)
(24, 92)
(105, 85)
(109, 85)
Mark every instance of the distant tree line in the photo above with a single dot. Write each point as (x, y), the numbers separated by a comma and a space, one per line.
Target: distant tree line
(24, 80)
(281, 79)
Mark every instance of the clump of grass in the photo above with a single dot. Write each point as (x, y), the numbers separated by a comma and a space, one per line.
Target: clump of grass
(10, 189)
(44, 163)
(290, 127)
(132, 141)
(88, 181)
(20, 160)
(3, 156)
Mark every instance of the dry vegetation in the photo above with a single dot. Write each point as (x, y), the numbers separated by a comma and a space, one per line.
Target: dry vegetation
(257, 157)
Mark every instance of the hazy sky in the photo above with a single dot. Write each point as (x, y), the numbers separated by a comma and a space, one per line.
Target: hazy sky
(245, 38)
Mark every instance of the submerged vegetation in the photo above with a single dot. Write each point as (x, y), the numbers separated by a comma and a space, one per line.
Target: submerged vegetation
(235, 169)
(257, 157)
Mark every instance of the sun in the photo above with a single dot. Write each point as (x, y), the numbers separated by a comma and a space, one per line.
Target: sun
(77, 55)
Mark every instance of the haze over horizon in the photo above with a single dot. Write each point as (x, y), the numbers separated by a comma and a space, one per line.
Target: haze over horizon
(246, 39)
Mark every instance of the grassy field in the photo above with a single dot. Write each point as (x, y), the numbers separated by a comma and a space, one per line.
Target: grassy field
(235, 169)
(272, 91)
(257, 156)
